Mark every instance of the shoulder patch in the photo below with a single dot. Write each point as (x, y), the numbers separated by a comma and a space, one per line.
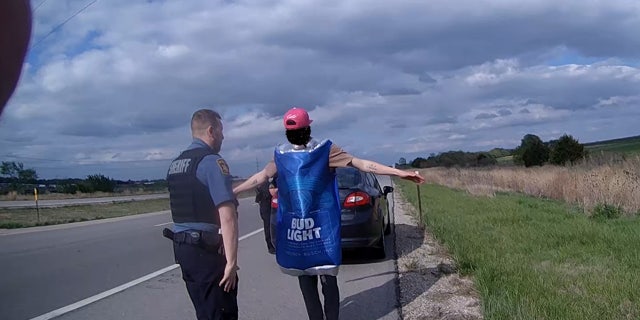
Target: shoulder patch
(224, 168)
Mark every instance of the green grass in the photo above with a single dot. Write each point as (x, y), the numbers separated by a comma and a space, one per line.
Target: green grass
(505, 160)
(28, 217)
(537, 259)
(630, 145)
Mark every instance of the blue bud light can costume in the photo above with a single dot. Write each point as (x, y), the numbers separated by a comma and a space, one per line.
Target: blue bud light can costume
(308, 218)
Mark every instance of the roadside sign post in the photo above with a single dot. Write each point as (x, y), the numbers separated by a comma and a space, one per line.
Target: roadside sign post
(35, 195)
(419, 206)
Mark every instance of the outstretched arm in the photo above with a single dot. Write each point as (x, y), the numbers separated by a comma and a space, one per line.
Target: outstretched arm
(257, 179)
(377, 168)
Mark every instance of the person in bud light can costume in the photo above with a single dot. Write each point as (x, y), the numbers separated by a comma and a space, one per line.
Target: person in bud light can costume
(308, 221)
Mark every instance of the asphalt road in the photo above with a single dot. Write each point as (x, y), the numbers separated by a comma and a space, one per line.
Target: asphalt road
(47, 270)
(72, 202)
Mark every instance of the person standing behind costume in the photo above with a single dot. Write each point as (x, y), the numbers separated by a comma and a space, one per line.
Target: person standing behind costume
(305, 152)
(205, 232)
(263, 199)
(273, 191)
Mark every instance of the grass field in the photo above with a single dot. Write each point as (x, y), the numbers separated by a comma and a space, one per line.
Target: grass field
(11, 218)
(626, 146)
(505, 160)
(630, 145)
(13, 196)
(28, 217)
(534, 258)
(611, 182)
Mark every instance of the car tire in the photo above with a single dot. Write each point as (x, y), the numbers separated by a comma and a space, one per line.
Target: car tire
(378, 250)
(387, 228)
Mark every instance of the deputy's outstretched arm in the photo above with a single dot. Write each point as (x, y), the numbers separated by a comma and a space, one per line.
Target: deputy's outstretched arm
(229, 228)
(257, 179)
(377, 168)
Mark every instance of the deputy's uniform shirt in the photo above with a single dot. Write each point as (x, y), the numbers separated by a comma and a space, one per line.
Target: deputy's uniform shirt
(214, 173)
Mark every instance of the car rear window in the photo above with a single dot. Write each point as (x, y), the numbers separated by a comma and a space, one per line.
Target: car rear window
(348, 177)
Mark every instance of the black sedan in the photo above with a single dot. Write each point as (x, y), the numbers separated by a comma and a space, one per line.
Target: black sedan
(365, 211)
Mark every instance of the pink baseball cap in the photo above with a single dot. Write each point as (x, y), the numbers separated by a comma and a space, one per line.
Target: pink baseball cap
(296, 118)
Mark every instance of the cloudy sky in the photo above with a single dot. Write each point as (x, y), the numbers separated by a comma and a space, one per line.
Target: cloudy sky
(112, 90)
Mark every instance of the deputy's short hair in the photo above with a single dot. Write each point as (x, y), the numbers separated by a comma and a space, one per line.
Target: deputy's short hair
(204, 118)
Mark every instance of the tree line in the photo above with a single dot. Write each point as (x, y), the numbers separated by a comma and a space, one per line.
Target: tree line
(15, 177)
(532, 151)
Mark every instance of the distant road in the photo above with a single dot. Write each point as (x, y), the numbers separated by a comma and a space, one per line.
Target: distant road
(73, 202)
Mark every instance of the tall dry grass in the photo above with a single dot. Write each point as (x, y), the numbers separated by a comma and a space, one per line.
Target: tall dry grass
(599, 180)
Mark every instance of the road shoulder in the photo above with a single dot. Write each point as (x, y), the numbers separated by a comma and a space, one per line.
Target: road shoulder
(429, 287)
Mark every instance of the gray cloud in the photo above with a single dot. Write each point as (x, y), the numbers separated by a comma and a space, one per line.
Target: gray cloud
(99, 95)
(400, 92)
(426, 78)
(486, 116)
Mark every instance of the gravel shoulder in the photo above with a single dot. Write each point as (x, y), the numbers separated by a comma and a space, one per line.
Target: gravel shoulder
(429, 287)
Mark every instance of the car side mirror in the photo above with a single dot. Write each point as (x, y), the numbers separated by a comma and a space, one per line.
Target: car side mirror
(387, 189)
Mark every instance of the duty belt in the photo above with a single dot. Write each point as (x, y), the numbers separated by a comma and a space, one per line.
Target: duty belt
(208, 240)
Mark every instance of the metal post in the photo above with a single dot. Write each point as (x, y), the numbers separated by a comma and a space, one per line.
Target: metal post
(35, 194)
(419, 205)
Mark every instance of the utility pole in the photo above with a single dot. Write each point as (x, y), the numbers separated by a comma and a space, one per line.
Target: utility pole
(257, 165)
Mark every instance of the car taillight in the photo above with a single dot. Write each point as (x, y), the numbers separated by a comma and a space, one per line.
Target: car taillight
(356, 199)
(274, 202)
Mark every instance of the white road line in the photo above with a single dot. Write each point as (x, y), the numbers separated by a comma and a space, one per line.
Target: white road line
(82, 303)
(163, 224)
(100, 296)
(250, 234)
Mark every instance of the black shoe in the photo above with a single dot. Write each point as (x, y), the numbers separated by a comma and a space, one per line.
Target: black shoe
(272, 251)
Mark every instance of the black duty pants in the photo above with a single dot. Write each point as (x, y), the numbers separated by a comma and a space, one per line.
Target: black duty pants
(309, 288)
(274, 223)
(202, 271)
(265, 215)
